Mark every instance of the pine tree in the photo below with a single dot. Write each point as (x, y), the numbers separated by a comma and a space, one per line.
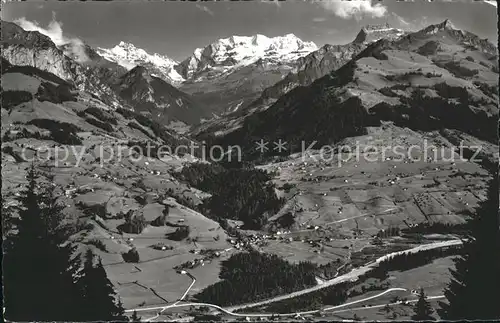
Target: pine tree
(423, 310)
(98, 296)
(474, 289)
(35, 266)
(135, 317)
(7, 221)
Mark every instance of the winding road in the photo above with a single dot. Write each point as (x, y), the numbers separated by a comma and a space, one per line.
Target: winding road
(177, 302)
(176, 305)
(353, 275)
(383, 305)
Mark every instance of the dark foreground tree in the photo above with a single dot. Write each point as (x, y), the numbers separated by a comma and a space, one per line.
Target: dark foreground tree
(6, 218)
(39, 266)
(423, 310)
(37, 270)
(474, 290)
(131, 256)
(98, 296)
(135, 317)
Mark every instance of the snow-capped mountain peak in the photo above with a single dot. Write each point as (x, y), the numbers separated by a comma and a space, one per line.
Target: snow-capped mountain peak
(236, 51)
(128, 52)
(293, 43)
(129, 56)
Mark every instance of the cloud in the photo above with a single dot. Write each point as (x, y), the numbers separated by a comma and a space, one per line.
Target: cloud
(409, 25)
(55, 32)
(205, 9)
(356, 9)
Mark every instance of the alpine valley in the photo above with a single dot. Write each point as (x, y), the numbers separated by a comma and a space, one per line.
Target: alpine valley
(273, 231)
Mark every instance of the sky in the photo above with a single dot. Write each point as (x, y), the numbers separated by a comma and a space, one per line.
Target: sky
(177, 28)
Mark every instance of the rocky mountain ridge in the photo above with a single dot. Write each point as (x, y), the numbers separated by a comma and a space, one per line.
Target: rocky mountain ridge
(329, 58)
(106, 80)
(304, 72)
(231, 72)
(426, 81)
(161, 101)
(372, 33)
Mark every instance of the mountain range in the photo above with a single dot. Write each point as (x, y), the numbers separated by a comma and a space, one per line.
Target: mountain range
(439, 77)
(227, 81)
(307, 69)
(226, 76)
(107, 73)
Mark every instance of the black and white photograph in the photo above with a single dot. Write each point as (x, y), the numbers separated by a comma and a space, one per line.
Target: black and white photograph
(248, 161)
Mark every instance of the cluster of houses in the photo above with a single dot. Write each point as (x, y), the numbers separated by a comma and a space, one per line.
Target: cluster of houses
(71, 192)
(192, 264)
(241, 244)
(208, 255)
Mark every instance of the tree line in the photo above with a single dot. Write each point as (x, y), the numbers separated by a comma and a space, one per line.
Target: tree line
(45, 278)
(252, 276)
(436, 227)
(244, 194)
(408, 261)
(474, 289)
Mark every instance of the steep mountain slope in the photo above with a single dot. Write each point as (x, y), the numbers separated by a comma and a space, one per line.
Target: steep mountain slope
(106, 80)
(147, 93)
(129, 56)
(436, 78)
(30, 93)
(234, 91)
(99, 176)
(31, 48)
(306, 70)
(232, 72)
(371, 33)
(329, 58)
